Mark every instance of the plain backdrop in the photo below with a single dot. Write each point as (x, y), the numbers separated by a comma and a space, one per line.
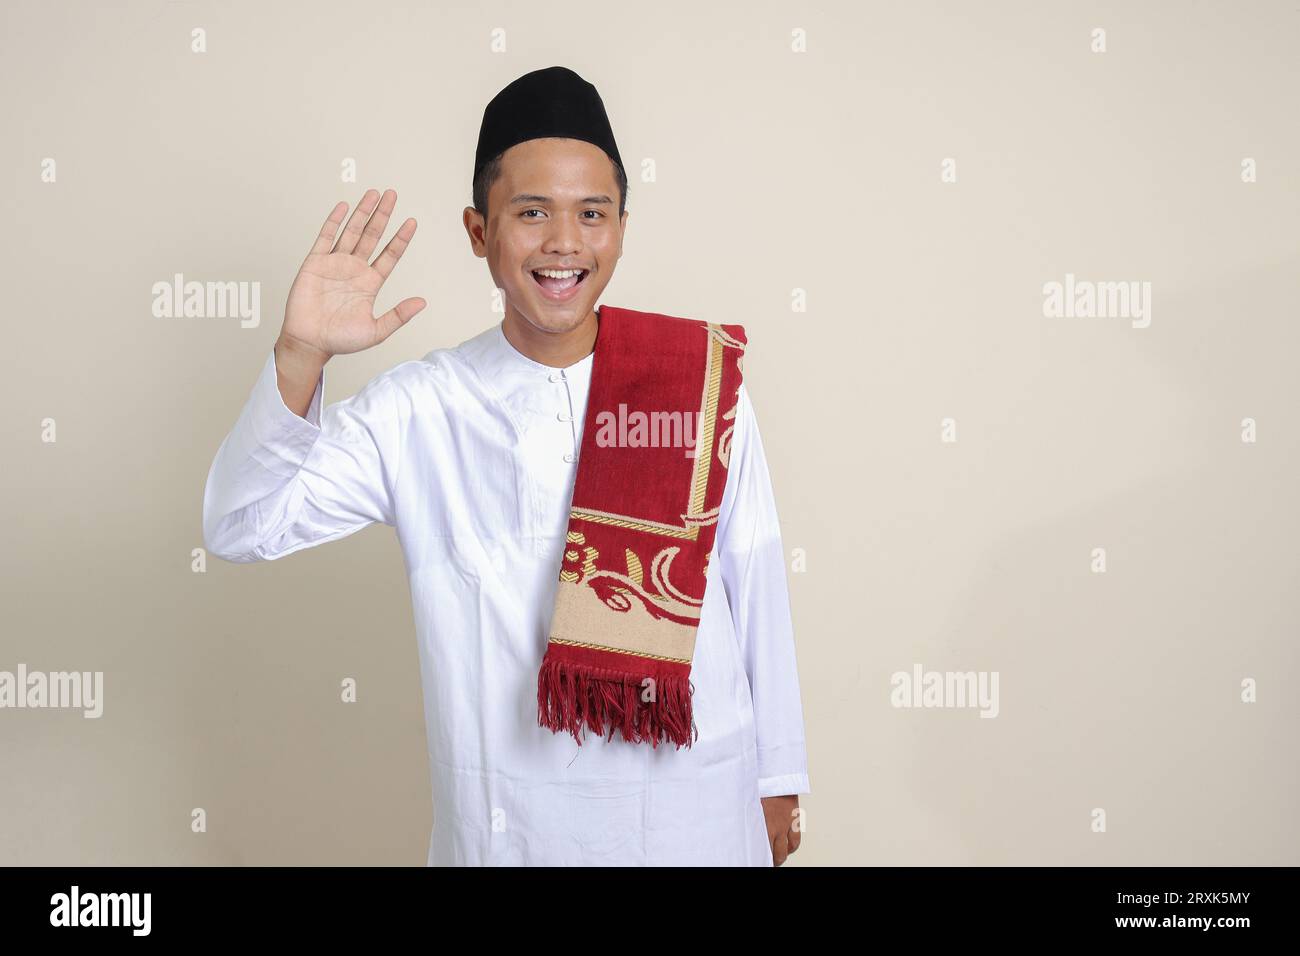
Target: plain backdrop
(787, 164)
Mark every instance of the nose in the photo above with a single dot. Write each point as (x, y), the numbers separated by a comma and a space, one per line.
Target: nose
(562, 237)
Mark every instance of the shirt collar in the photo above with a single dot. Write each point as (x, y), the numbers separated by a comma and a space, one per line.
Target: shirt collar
(525, 387)
(493, 356)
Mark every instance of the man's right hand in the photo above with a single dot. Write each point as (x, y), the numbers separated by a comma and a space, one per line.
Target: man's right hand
(330, 310)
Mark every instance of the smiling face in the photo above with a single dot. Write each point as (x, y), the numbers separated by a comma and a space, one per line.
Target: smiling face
(554, 208)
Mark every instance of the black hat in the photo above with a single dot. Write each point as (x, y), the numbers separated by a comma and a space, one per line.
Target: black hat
(550, 102)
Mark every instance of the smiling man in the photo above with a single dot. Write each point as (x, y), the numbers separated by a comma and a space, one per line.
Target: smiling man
(604, 628)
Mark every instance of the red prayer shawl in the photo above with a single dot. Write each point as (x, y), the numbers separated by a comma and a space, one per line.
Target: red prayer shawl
(651, 471)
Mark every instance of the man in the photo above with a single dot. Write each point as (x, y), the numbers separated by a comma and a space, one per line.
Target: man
(472, 454)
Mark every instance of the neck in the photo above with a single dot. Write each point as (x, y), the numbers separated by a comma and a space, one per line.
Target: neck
(555, 349)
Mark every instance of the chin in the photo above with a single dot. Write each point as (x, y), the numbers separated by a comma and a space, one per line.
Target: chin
(559, 326)
(547, 317)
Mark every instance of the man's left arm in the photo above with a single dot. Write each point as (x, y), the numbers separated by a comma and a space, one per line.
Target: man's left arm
(752, 565)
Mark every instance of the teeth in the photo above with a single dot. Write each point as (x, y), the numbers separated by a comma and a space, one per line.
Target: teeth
(559, 273)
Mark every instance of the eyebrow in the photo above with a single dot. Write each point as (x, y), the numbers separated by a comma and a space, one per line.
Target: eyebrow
(524, 198)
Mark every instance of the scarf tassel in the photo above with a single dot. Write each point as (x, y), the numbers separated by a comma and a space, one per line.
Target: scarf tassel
(573, 695)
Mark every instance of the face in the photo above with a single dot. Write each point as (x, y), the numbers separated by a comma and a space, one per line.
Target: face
(554, 207)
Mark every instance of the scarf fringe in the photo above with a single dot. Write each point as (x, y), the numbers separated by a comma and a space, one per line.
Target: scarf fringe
(571, 696)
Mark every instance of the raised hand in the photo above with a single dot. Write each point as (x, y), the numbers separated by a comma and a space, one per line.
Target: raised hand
(330, 309)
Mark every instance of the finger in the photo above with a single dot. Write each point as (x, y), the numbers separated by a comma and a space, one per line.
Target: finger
(393, 251)
(792, 838)
(780, 850)
(356, 222)
(398, 316)
(325, 241)
(374, 230)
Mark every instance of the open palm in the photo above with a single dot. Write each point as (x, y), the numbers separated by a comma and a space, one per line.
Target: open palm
(331, 305)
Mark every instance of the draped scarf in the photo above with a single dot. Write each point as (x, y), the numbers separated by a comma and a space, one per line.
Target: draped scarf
(652, 467)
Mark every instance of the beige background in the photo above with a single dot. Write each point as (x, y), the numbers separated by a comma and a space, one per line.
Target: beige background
(776, 171)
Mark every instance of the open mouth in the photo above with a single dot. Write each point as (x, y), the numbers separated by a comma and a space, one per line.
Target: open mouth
(559, 284)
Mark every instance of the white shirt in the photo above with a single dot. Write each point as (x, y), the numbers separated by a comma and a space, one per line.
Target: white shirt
(471, 453)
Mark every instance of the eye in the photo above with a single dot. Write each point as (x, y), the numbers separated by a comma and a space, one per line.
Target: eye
(596, 211)
(527, 211)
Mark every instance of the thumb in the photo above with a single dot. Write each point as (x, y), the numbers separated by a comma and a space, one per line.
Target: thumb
(398, 316)
(780, 850)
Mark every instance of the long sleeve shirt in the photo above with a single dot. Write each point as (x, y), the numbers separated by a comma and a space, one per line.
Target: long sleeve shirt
(470, 453)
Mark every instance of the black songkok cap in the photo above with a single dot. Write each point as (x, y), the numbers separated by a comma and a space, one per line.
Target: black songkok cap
(550, 102)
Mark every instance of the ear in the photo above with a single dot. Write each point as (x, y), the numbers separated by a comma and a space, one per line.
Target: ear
(476, 229)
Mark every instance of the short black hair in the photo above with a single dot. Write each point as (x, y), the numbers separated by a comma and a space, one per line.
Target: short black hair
(491, 171)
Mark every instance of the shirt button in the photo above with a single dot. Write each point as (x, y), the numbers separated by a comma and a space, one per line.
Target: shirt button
(570, 457)
(556, 377)
(564, 416)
